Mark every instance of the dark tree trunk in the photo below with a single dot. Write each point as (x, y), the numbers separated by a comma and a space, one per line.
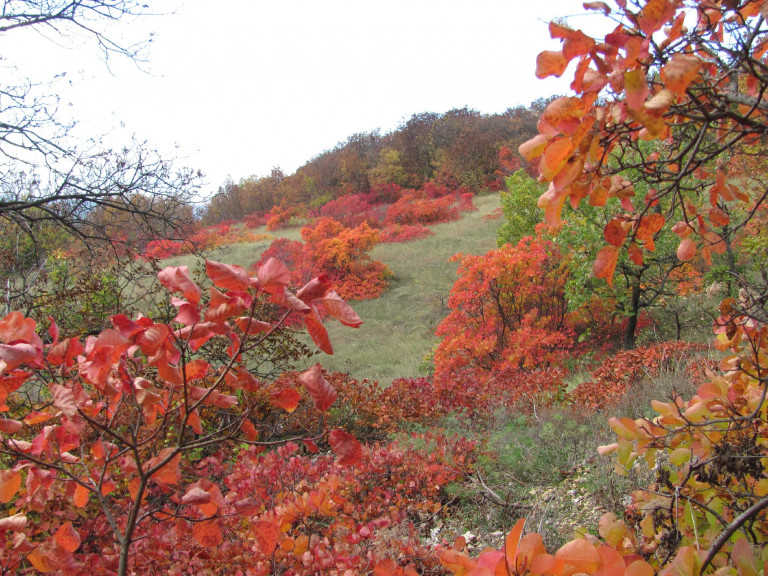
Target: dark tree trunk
(634, 310)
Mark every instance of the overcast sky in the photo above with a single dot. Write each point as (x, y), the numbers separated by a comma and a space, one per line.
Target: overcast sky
(236, 87)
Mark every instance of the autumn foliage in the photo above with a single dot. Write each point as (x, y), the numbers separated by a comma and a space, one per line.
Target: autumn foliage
(109, 425)
(670, 97)
(508, 312)
(340, 253)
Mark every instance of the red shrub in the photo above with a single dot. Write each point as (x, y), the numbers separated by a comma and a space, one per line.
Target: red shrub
(281, 216)
(465, 202)
(611, 380)
(160, 249)
(351, 211)
(404, 233)
(415, 208)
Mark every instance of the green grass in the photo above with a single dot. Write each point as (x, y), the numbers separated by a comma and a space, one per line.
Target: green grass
(398, 328)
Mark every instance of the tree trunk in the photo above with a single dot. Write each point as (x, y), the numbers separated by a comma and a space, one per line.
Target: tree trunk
(634, 310)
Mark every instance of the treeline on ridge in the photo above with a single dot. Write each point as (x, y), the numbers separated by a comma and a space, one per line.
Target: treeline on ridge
(460, 148)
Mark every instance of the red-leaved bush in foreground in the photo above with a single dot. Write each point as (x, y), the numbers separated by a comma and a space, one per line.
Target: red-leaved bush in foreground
(101, 437)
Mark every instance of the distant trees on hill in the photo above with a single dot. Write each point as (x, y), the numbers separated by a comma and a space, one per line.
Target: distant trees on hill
(460, 148)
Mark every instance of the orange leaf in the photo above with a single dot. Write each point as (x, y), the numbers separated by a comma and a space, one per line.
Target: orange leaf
(635, 254)
(10, 482)
(605, 263)
(266, 534)
(679, 72)
(169, 473)
(649, 225)
(579, 556)
(67, 537)
(611, 562)
(43, 559)
(249, 430)
(639, 568)
(512, 541)
(636, 88)
(317, 331)
(81, 495)
(717, 216)
(654, 15)
(660, 103)
(686, 250)
(533, 148)
(196, 369)
(287, 399)
(552, 202)
(564, 114)
(346, 447)
(550, 63)
(36, 417)
(614, 232)
(555, 158)
(207, 533)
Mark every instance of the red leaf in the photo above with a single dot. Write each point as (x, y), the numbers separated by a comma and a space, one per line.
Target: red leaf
(311, 446)
(67, 537)
(14, 355)
(249, 430)
(273, 274)
(207, 533)
(686, 250)
(15, 523)
(314, 289)
(251, 325)
(196, 495)
(654, 15)
(228, 276)
(346, 447)
(614, 232)
(64, 400)
(317, 331)
(605, 263)
(337, 308)
(597, 6)
(266, 534)
(322, 393)
(176, 279)
(287, 399)
(8, 426)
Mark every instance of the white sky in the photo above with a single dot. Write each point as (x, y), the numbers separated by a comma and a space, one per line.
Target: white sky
(236, 87)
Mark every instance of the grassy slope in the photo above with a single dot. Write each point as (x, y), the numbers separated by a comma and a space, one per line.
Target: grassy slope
(398, 328)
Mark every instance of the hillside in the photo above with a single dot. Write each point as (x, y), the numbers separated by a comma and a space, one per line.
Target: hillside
(398, 328)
